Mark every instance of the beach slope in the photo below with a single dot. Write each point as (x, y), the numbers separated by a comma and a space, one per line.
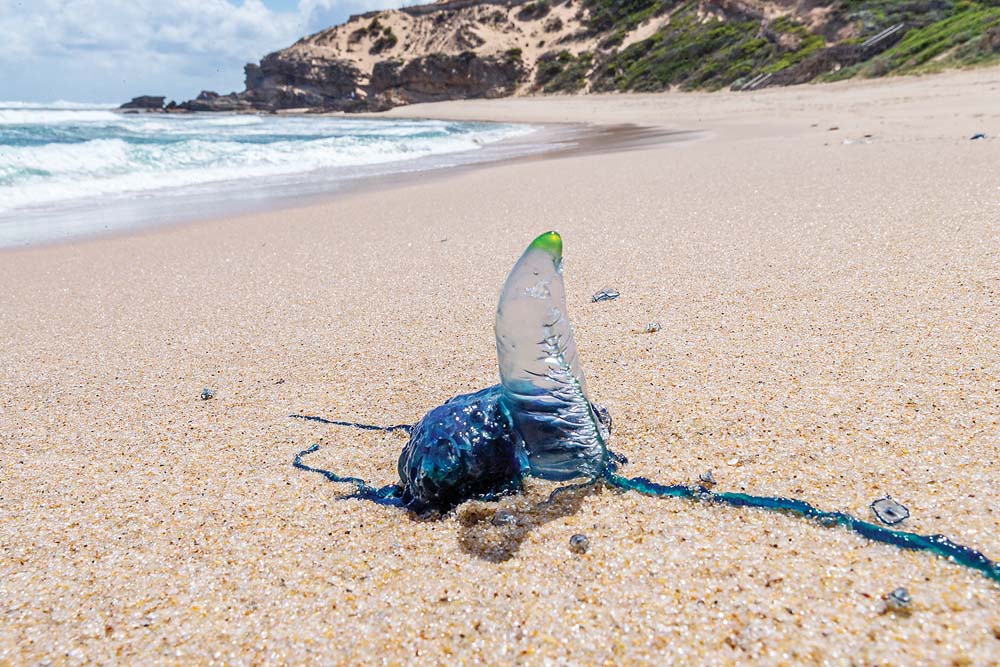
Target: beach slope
(823, 262)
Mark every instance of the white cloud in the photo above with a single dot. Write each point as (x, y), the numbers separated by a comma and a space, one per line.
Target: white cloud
(113, 49)
(67, 27)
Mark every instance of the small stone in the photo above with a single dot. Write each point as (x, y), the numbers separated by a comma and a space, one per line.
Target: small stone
(889, 511)
(707, 478)
(579, 544)
(207, 393)
(996, 631)
(735, 461)
(652, 327)
(898, 600)
(504, 518)
(606, 294)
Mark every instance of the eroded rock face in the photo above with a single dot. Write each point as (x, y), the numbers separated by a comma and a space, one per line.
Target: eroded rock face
(439, 77)
(447, 50)
(285, 80)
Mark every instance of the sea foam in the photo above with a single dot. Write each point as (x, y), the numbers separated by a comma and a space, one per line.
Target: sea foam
(65, 153)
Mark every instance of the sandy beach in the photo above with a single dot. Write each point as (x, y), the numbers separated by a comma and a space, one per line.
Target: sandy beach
(824, 262)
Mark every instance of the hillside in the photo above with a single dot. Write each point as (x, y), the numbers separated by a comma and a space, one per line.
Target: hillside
(493, 48)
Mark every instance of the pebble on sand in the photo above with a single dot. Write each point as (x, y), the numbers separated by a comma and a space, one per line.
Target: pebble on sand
(889, 511)
(606, 294)
(898, 600)
(579, 544)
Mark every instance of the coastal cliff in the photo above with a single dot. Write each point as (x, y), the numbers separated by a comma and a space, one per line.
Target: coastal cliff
(458, 49)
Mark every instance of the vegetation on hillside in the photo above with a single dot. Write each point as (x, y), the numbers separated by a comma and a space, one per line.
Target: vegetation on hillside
(690, 53)
(699, 49)
(968, 34)
(563, 72)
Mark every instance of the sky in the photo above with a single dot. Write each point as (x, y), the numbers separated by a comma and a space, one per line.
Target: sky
(113, 50)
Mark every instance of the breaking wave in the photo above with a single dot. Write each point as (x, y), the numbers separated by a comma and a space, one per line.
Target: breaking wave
(65, 151)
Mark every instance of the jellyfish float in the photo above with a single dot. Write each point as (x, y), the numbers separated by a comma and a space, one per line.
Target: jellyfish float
(540, 422)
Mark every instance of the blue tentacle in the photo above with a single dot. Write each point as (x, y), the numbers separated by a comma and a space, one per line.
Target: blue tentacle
(939, 545)
(386, 495)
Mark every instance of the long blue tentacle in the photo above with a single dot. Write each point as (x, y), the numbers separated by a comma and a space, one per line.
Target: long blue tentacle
(364, 427)
(386, 495)
(939, 545)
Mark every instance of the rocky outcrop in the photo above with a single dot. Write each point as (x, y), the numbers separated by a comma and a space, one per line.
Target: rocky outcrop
(284, 80)
(377, 60)
(209, 100)
(291, 80)
(145, 103)
(439, 77)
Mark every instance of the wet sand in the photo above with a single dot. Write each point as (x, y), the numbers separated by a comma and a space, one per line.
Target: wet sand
(829, 314)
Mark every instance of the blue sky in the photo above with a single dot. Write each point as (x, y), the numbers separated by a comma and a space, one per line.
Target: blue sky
(113, 50)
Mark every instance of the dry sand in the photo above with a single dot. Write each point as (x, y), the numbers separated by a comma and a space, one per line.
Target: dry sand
(829, 332)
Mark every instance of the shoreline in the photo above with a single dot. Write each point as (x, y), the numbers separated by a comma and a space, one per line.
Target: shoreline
(106, 216)
(227, 199)
(827, 304)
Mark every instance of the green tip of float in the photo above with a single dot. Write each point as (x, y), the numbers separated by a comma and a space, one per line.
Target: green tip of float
(550, 242)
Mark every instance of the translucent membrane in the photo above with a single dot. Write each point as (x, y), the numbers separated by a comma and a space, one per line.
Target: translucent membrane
(544, 392)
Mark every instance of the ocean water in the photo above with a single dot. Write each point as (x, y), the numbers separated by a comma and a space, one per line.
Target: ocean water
(71, 169)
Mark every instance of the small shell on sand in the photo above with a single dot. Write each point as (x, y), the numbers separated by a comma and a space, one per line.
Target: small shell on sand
(606, 294)
(889, 511)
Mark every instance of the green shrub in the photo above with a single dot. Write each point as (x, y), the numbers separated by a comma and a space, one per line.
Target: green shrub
(562, 72)
(534, 10)
(386, 41)
(608, 14)
(357, 35)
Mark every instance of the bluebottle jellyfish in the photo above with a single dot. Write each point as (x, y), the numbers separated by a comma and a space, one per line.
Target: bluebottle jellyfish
(539, 421)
